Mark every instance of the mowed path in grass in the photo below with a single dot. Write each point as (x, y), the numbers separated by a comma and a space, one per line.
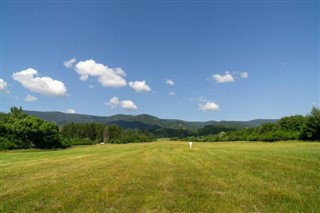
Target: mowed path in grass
(163, 177)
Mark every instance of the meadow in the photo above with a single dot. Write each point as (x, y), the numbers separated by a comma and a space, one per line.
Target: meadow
(163, 177)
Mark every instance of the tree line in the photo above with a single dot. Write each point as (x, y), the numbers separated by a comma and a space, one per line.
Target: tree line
(92, 133)
(296, 127)
(21, 131)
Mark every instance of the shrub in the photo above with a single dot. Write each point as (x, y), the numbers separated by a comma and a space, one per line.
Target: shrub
(82, 141)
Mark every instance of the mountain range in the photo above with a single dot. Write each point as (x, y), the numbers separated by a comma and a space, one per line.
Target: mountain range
(143, 121)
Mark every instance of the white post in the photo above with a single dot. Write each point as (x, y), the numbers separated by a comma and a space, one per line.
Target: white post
(190, 144)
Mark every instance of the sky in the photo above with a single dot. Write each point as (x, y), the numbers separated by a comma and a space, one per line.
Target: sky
(189, 60)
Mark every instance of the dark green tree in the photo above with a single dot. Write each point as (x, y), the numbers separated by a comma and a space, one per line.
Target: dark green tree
(24, 131)
(311, 128)
(115, 134)
(16, 112)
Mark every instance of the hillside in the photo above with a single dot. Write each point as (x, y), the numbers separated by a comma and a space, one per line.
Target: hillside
(143, 121)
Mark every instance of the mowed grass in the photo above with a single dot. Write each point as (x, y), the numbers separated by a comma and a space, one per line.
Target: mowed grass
(164, 177)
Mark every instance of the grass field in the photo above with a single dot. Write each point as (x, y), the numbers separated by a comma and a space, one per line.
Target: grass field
(164, 177)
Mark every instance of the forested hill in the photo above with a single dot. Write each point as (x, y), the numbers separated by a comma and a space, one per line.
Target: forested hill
(143, 121)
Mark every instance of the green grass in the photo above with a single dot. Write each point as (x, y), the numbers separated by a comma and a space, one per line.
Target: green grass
(163, 177)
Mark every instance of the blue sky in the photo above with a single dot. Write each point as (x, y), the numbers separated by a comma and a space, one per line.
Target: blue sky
(190, 60)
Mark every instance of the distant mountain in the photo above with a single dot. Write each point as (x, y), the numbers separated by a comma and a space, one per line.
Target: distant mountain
(143, 121)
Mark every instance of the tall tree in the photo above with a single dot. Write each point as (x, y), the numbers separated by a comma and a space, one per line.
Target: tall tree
(311, 129)
(16, 112)
(24, 131)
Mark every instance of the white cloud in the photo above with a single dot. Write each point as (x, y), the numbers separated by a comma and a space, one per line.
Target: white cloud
(227, 77)
(107, 77)
(3, 86)
(169, 82)
(205, 104)
(43, 85)
(127, 104)
(139, 86)
(70, 63)
(114, 102)
(172, 93)
(244, 74)
(70, 111)
(91, 87)
(30, 98)
(209, 106)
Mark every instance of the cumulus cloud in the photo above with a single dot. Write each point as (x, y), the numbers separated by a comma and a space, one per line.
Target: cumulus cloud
(169, 82)
(3, 86)
(227, 77)
(114, 102)
(30, 98)
(43, 85)
(209, 106)
(107, 77)
(244, 74)
(139, 86)
(127, 104)
(70, 111)
(70, 63)
(205, 104)
(172, 93)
